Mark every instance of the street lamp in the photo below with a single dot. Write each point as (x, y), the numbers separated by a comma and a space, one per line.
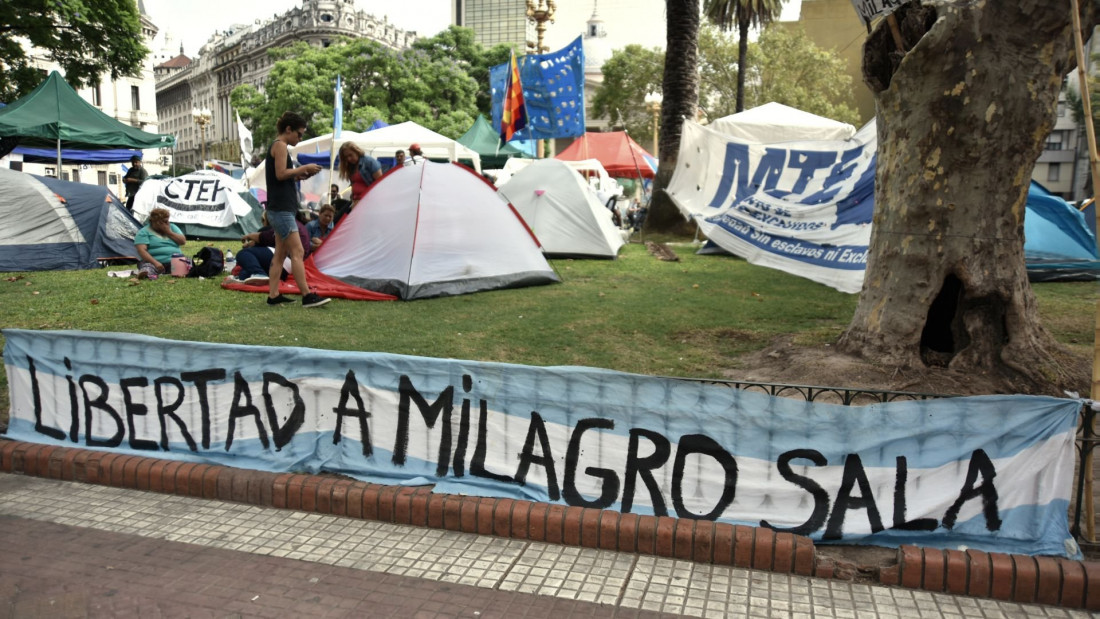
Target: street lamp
(653, 104)
(202, 118)
(540, 12)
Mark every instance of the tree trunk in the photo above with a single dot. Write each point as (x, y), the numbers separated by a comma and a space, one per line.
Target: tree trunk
(680, 88)
(962, 117)
(742, 61)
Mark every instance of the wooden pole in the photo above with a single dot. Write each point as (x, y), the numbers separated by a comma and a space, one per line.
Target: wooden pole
(1094, 165)
(896, 31)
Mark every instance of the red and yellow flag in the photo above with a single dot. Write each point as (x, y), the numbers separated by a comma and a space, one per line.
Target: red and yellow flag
(513, 117)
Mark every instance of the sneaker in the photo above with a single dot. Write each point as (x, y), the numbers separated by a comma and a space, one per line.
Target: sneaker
(279, 300)
(257, 280)
(314, 300)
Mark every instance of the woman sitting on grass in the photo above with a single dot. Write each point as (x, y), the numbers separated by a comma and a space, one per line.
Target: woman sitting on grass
(257, 249)
(155, 243)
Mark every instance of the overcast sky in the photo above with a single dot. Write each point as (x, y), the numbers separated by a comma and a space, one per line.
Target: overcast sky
(627, 21)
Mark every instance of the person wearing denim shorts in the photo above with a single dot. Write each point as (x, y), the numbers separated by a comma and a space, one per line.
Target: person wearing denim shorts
(282, 205)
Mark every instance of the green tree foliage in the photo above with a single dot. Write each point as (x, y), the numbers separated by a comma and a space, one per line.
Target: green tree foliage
(744, 14)
(86, 38)
(628, 76)
(784, 66)
(457, 43)
(421, 84)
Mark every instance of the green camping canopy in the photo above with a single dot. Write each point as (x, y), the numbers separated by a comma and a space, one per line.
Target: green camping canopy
(54, 115)
(485, 142)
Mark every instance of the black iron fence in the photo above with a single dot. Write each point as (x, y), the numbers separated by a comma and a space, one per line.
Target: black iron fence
(1087, 437)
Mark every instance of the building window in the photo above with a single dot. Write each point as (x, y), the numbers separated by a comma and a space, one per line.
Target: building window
(1054, 172)
(97, 96)
(113, 178)
(326, 18)
(135, 98)
(1054, 141)
(1061, 109)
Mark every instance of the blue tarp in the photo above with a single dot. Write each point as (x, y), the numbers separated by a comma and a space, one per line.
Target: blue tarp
(76, 155)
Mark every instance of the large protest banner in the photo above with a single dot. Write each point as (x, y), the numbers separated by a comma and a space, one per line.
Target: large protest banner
(801, 207)
(991, 473)
(196, 198)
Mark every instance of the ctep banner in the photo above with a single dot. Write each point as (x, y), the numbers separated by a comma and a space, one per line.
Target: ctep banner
(196, 198)
(992, 472)
(801, 207)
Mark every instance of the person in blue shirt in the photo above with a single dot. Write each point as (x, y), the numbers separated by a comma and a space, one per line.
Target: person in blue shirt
(320, 228)
(155, 243)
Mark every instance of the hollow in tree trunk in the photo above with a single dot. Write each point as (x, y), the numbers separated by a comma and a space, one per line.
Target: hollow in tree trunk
(962, 117)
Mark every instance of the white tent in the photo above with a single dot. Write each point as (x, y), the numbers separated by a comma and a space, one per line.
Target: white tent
(562, 210)
(433, 230)
(385, 141)
(775, 122)
(590, 169)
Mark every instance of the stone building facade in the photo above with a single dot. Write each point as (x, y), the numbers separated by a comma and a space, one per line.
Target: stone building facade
(238, 55)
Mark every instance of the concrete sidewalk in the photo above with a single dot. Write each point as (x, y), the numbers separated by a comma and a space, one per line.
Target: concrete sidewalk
(76, 550)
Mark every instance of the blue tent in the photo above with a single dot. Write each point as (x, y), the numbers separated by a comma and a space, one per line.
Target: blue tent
(1058, 246)
(48, 224)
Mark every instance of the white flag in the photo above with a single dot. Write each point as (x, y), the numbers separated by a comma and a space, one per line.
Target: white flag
(246, 139)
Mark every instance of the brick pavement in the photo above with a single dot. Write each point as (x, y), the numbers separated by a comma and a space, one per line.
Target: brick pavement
(85, 550)
(54, 570)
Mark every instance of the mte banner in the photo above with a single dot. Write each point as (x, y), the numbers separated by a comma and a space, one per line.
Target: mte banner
(992, 472)
(801, 207)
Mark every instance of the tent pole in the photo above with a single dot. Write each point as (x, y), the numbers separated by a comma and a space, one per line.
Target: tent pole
(1086, 462)
(58, 157)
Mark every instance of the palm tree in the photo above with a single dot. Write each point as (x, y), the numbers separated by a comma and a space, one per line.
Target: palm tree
(745, 14)
(680, 88)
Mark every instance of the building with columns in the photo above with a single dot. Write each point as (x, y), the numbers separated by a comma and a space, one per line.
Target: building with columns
(238, 55)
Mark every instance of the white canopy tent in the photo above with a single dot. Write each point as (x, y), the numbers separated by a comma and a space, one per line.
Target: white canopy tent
(386, 141)
(775, 122)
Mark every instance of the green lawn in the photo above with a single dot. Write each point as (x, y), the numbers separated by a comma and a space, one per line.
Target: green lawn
(637, 314)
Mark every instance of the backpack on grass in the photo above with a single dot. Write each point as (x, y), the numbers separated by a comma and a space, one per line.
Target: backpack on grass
(207, 263)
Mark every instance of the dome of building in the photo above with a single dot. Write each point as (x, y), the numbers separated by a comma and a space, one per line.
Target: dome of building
(597, 49)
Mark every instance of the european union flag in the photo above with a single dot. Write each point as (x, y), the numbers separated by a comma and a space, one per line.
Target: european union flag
(553, 89)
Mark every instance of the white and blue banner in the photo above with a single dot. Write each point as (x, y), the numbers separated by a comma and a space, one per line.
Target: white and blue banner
(801, 207)
(992, 473)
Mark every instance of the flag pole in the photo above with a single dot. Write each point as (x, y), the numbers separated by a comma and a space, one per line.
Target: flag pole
(337, 128)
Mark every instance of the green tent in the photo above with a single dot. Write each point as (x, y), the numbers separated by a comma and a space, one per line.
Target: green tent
(54, 115)
(486, 143)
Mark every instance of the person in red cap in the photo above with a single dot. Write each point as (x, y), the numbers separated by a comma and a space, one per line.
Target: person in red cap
(416, 156)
